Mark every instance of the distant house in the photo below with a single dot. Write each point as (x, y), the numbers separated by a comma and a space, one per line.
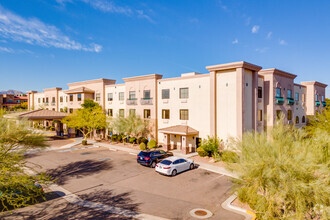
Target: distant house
(8, 100)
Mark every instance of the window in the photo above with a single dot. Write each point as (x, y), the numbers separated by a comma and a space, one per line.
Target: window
(38, 100)
(131, 95)
(146, 113)
(297, 120)
(165, 114)
(184, 93)
(97, 97)
(297, 96)
(79, 97)
(110, 96)
(316, 97)
(121, 96)
(146, 94)
(53, 99)
(289, 115)
(278, 92)
(322, 98)
(71, 98)
(61, 98)
(71, 110)
(66, 98)
(121, 113)
(278, 114)
(303, 119)
(259, 92)
(289, 93)
(184, 114)
(132, 112)
(53, 109)
(61, 109)
(110, 112)
(165, 94)
(47, 100)
(259, 115)
(43, 100)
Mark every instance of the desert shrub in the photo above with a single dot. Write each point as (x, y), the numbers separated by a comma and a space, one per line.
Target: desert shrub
(143, 146)
(132, 140)
(229, 156)
(211, 145)
(141, 140)
(201, 152)
(84, 142)
(160, 146)
(152, 143)
(52, 128)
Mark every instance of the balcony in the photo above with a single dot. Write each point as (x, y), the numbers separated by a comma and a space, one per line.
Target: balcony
(290, 101)
(146, 101)
(46, 103)
(317, 103)
(53, 103)
(279, 100)
(131, 101)
(324, 104)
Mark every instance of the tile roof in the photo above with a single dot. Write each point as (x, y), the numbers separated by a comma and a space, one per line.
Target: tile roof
(179, 129)
(43, 114)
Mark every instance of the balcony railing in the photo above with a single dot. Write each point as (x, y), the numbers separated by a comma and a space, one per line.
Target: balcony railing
(53, 103)
(131, 101)
(279, 100)
(317, 103)
(290, 101)
(324, 104)
(146, 101)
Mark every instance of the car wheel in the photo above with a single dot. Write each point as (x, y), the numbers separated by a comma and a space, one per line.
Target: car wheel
(192, 166)
(153, 164)
(174, 172)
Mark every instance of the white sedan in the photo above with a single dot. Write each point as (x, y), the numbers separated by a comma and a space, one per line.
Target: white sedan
(173, 165)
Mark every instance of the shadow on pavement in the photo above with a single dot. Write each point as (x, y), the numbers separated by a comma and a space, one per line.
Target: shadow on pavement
(77, 169)
(60, 209)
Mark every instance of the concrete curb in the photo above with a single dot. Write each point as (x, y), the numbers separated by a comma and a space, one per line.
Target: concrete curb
(228, 206)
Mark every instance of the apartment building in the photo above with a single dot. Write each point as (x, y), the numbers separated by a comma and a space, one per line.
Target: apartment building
(226, 102)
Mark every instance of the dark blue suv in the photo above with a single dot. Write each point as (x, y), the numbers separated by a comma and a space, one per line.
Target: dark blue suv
(151, 158)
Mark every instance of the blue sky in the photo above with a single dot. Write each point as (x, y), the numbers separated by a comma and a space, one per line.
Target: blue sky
(48, 43)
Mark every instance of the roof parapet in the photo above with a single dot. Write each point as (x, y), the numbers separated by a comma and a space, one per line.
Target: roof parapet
(277, 72)
(316, 83)
(235, 65)
(144, 77)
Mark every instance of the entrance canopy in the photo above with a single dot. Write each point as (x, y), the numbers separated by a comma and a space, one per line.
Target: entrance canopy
(179, 130)
(42, 114)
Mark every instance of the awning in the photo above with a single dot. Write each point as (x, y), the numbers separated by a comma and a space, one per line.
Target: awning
(79, 90)
(42, 114)
(179, 130)
(317, 103)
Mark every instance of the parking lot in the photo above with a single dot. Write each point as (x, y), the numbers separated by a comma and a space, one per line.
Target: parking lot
(115, 179)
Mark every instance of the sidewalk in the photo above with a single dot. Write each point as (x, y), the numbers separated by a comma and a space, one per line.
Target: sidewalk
(204, 166)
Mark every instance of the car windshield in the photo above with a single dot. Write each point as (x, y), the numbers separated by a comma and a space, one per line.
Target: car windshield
(143, 154)
(166, 162)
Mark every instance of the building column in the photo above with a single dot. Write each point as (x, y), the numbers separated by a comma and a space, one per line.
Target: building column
(185, 149)
(254, 100)
(213, 104)
(240, 101)
(167, 142)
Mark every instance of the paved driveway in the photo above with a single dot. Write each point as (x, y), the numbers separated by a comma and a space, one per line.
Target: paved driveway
(115, 179)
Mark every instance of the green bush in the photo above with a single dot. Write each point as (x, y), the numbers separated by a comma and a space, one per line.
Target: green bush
(229, 156)
(143, 146)
(132, 140)
(211, 145)
(114, 137)
(152, 144)
(141, 140)
(120, 138)
(201, 152)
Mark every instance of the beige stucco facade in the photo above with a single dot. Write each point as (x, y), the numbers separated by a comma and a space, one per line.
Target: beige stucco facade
(226, 102)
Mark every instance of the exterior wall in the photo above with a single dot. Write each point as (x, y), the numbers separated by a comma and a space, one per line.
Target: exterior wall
(248, 120)
(313, 88)
(260, 106)
(116, 104)
(197, 103)
(299, 106)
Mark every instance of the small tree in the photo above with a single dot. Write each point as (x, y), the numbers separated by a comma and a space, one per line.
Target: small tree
(212, 146)
(15, 139)
(86, 120)
(131, 125)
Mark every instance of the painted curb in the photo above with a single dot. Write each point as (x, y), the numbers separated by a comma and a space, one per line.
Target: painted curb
(228, 206)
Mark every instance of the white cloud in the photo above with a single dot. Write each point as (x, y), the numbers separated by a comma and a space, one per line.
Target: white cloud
(262, 50)
(235, 41)
(108, 6)
(35, 32)
(282, 42)
(6, 50)
(255, 29)
(269, 35)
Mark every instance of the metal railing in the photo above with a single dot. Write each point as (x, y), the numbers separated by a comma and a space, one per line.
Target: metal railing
(146, 101)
